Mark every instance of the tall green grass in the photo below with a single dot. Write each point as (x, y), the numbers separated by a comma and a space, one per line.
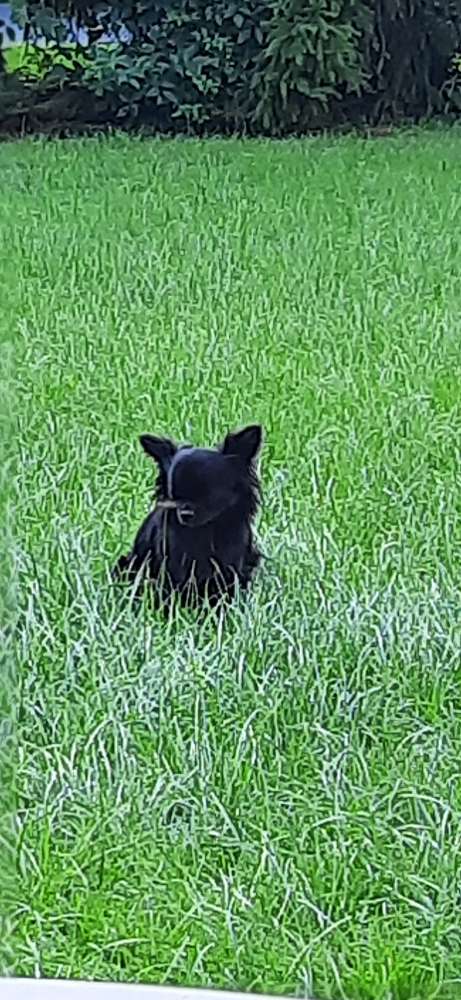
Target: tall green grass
(273, 804)
(8, 601)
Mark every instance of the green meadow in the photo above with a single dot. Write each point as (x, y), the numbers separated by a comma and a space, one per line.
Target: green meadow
(272, 803)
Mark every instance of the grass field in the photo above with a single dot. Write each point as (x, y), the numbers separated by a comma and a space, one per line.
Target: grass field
(276, 804)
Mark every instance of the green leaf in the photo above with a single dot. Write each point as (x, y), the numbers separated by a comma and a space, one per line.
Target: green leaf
(243, 36)
(303, 87)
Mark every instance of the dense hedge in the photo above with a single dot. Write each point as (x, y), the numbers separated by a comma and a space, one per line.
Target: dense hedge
(272, 66)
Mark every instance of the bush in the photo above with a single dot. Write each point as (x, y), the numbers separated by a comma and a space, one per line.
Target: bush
(33, 63)
(311, 57)
(452, 89)
(413, 44)
(271, 66)
(256, 65)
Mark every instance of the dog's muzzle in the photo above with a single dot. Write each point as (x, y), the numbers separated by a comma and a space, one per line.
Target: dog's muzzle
(184, 513)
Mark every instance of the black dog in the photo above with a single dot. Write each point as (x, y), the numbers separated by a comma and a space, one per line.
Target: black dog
(198, 541)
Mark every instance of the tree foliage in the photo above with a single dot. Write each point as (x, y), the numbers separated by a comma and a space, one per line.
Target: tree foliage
(270, 66)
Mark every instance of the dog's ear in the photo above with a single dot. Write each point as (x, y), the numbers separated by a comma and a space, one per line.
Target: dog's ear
(245, 444)
(161, 449)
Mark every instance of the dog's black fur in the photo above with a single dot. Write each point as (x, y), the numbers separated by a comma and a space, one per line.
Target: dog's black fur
(198, 542)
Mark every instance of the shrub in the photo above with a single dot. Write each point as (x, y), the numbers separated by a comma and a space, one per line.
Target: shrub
(311, 57)
(413, 44)
(33, 63)
(452, 88)
(260, 65)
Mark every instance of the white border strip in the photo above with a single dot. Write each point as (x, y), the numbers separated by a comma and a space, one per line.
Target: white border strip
(52, 989)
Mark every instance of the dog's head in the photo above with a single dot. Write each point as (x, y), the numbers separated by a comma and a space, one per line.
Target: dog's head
(201, 484)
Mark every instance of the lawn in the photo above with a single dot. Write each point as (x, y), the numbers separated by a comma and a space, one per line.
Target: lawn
(274, 804)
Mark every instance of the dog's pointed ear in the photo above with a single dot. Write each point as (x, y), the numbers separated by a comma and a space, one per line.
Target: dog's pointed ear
(244, 444)
(161, 449)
